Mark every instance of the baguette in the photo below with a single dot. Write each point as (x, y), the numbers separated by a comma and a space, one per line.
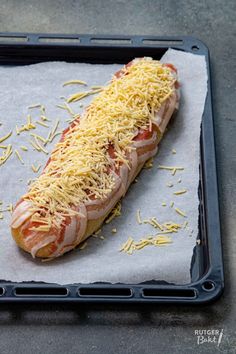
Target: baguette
(96, 159)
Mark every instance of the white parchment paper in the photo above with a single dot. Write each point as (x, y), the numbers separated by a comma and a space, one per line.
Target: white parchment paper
(21, 87)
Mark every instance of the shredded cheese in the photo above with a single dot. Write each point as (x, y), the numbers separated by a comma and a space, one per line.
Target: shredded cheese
(40, 146)
(6, 154)
(36, 168)
(42, 123)
(157, 240)
(149, 163)
(180, 192)
(24, 148)
(75, 82)
(180, 212)
(44, 118)
(173, 169)
(39, 137)
(19, 156)
(37, 105)
(138, 216)
(34, 145)
(79, 163)
(185, 224)
(83, 246)
(5, 137)
(79, 95)
(67, 108)
(26, 127)
(116, 211)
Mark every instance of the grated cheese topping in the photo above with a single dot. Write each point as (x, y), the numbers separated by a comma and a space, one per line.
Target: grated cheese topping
(79, 167)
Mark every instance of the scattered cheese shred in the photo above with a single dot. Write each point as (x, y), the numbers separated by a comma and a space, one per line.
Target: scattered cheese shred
(171, 168)
(34, 145)
(84, 244)
(79, 95)
(163, 204)
(157, 240)
(10, 208)
(180, 192)
(185, 224)
(173, 151)
(114, 231)
(39, 137)
(126, 246)
(42, 123)
(44, 118)
(180, 212)
(36, 168)
(19, 156)
(116, 211)
(1, 216)
(52, 134)
(5, 137)
(26, 127)
(40, 146)
(67, 108)
(138, 217)
(37, 105)
(96, 87)
(155, 223)
(169, 184)
(6, 154)
(24, 148)
(75, 82)
(172, 204)
(149, 163)
(79, 163)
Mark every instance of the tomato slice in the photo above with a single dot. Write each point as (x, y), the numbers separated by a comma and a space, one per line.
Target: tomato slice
(143, 134)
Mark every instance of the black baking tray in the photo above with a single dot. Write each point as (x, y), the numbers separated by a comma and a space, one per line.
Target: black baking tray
(207, 278)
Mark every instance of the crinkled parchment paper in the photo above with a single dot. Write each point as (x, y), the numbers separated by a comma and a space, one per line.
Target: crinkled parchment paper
(101, 259)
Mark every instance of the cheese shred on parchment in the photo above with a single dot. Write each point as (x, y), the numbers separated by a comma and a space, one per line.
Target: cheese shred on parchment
(180, 192)
(79, 164)
(75, 82)
(157, 240)
(116, 211)
(5, 137)
(6, 154)
(180, 212)
(19, 156)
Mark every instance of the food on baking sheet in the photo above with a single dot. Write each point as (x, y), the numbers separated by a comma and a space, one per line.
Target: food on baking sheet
(96, 159)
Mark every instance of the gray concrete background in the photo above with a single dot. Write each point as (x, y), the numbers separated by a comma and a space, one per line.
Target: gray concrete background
(159, 329)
